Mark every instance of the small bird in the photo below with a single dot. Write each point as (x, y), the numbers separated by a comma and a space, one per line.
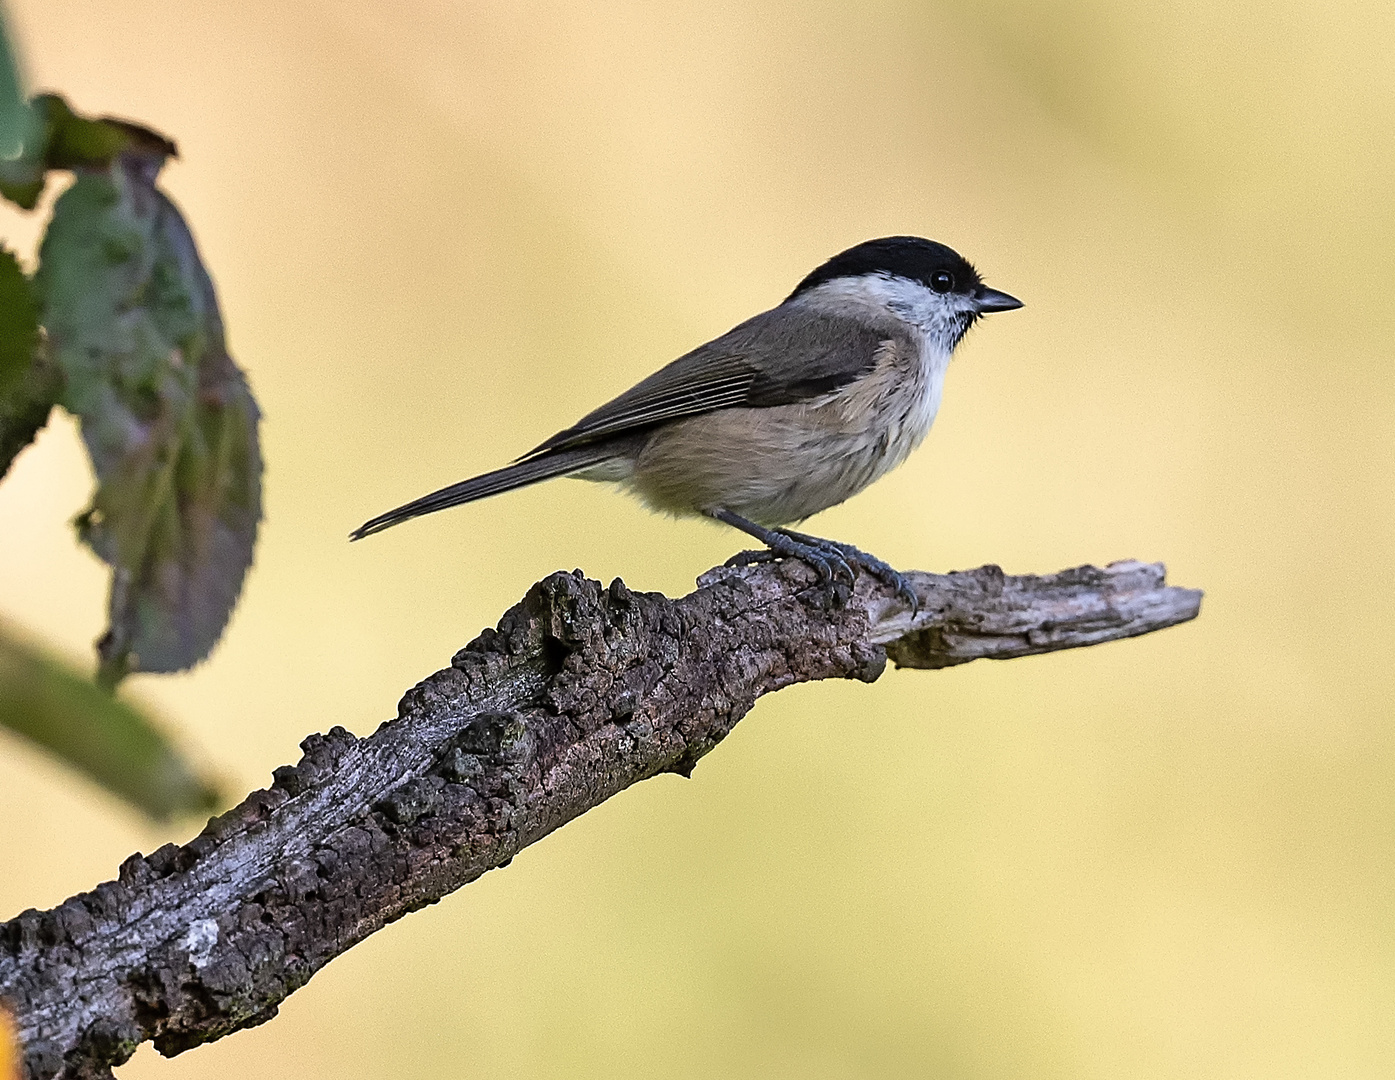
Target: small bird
(789, 413)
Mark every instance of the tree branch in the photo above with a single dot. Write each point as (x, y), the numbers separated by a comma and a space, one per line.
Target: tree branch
(580, 692)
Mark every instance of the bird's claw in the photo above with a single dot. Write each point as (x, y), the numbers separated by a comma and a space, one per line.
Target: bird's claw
(887, 575)
(830, 560)
(826, 560)
(883, 572)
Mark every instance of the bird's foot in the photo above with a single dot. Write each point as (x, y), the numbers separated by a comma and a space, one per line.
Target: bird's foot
(826, 560)
(883, 572)
(832, 560)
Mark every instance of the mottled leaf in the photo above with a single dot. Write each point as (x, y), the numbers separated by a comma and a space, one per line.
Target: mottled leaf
(96, 733)
(134, 326)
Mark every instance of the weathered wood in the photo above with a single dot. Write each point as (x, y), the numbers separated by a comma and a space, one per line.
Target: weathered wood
(581, 691)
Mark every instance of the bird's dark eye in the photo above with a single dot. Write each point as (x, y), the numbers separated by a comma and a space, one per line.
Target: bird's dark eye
(942, 281)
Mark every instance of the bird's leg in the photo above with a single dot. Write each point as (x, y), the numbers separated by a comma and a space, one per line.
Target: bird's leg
(884, 573)
(826, 559)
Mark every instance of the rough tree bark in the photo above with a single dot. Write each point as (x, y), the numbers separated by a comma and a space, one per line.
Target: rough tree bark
(581, 691)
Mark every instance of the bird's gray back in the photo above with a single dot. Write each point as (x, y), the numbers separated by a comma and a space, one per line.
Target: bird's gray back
(780, 357)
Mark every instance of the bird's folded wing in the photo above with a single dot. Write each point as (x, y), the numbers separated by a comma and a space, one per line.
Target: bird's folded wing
(777, 358)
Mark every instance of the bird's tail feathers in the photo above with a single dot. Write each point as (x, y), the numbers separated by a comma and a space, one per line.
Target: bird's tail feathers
(520, 474)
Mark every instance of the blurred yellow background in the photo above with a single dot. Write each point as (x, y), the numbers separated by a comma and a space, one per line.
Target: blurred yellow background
(442, 231)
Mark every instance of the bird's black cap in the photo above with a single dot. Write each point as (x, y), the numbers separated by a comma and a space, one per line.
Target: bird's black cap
(909, 257)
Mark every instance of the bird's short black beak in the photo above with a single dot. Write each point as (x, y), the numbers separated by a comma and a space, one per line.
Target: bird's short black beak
(992, 300)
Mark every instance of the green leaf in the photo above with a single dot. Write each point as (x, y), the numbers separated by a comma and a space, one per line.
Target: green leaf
(21, 133)
(76, 142)
(26, 408)
(19, 324)
(168, 419)
(46, 134)
(14, 123)
(99, 735)
(22, 176)
(28, 386)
